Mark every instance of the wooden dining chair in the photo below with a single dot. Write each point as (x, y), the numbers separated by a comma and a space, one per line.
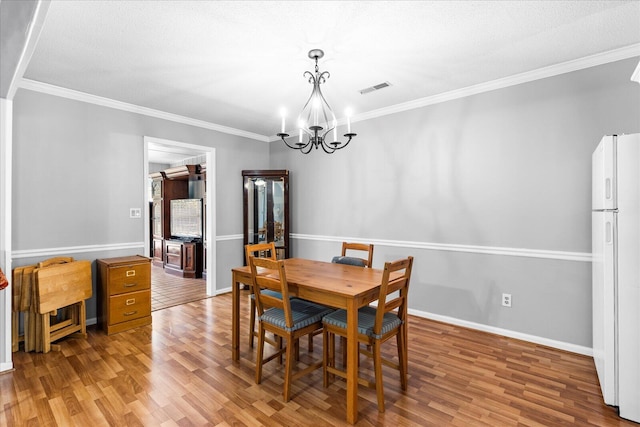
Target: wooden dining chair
(350, 260)
(288, 318)
(360, 259)
(259, 250)
(376, 325)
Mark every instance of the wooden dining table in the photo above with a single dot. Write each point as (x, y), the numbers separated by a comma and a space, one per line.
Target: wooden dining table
(335, 285)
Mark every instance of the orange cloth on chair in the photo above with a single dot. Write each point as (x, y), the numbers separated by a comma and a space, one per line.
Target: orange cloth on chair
(3, 280)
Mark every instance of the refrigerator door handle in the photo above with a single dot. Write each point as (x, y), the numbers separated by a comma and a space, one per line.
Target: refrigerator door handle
(608, 233)
(607, 188)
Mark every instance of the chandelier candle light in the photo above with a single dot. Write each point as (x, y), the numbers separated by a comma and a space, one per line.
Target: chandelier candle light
(316, 116)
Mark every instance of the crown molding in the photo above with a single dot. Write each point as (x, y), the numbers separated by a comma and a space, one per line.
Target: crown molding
(118, 105)
(526, 77)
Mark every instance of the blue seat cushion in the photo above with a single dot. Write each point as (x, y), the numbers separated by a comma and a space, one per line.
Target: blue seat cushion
(304, 313)
(269, 292)
(348, 261)
(366, 320)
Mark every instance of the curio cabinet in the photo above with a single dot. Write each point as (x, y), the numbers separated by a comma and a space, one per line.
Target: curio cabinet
(266, 208)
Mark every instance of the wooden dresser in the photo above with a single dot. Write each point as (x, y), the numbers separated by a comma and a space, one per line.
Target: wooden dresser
(183, 258)
(124, 293)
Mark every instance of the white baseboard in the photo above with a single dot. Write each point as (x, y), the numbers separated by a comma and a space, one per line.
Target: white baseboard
(561, 345)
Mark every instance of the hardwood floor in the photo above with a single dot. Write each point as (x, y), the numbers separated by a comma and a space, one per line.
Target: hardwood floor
(178, 372)
(168, 290)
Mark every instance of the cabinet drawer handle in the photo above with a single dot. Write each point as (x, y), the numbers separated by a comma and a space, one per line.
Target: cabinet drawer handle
(129, 285)
(130, 301)
(130, 313)
(131, 273)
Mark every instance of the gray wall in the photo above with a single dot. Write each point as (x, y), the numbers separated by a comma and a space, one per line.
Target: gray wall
(510, 168)
(504, 169)
(78, 168)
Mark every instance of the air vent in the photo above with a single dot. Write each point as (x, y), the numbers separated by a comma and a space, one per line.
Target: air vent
(374, 88)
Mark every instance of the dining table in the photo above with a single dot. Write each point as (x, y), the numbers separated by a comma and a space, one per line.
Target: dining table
(341, 286)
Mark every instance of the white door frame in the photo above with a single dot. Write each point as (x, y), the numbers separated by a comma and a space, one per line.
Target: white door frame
(32, 31)
(6, 144)
(210, 236)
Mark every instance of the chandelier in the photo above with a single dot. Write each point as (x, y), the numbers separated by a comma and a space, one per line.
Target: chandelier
(317, 124)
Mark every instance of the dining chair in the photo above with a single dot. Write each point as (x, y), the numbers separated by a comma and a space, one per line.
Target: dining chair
(361, 259)
(350, 260)
(376, 325)
(260, 250)
(287, 318)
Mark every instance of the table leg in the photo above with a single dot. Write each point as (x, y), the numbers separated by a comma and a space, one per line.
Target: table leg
(235, 319)
(352, 362)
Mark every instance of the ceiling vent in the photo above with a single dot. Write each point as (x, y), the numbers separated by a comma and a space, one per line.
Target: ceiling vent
(374, 88)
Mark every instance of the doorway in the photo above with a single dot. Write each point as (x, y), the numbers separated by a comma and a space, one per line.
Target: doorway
(168, 290)
(167, 152)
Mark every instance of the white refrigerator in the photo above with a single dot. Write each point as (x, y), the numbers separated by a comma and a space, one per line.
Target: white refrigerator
(616, 271)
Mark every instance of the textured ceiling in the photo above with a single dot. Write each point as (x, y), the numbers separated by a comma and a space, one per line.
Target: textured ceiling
(237, 64)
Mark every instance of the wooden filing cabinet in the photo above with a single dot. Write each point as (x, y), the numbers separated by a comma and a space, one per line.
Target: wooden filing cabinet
(124, 292)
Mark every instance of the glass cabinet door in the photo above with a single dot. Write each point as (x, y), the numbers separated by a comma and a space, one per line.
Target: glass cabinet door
(156, 218)
(266, 208)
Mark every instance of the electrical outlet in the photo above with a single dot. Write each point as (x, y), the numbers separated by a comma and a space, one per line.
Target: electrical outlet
(506, 300)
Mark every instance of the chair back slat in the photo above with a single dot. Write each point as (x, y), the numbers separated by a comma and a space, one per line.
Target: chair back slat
(392, 305)
(398, 288)
(260, 250)
(360, 247)
(396, 283)
(271, 276)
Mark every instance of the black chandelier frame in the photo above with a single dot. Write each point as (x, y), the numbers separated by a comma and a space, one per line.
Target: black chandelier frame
(317, 136)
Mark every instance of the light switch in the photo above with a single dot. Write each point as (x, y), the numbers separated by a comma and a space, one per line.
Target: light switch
(135, 213)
